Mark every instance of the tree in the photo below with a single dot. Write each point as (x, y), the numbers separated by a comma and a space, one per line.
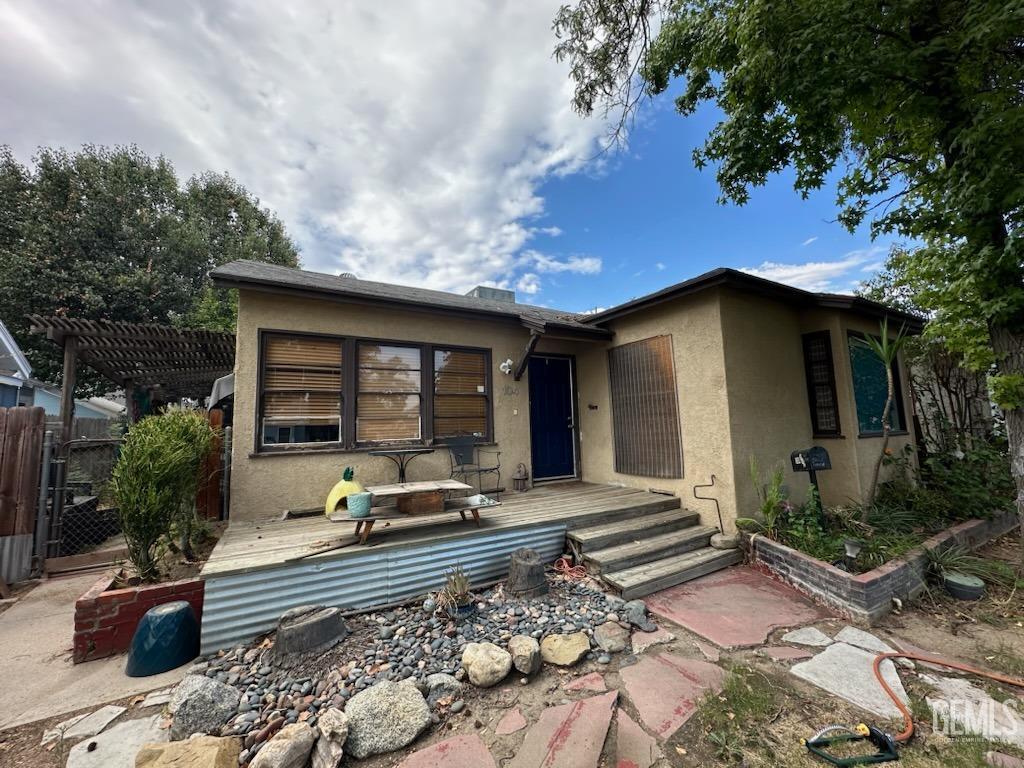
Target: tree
(110, 234)
(918, 103)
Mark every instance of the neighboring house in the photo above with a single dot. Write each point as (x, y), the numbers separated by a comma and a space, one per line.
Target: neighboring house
(47, 396)
(662, 392)
(14, 369)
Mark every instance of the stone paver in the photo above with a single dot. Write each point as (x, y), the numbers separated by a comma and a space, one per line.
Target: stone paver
(158, 698)
(592, 682)
(94, 723)
(666, 689)
(459, 752)
(734, 608)
(786, 653)
(1000, 760)
(708, 651)
(512, 722)
(862, 639)
(117, 747)
(644, 640)
(807, 636)
(634, 748)
(973, 710)
(847, 672)
(568, 735)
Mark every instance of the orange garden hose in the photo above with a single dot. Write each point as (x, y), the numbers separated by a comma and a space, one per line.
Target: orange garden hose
(908, 719)
(572, 572)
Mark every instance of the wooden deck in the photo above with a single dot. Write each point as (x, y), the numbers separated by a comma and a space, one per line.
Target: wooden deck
(250, 546)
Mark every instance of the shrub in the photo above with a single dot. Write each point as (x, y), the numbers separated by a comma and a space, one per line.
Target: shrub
(156, 478)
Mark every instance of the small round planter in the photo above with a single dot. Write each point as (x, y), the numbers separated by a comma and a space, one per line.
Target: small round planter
(963, 586)
(359, 504)
(462, 611)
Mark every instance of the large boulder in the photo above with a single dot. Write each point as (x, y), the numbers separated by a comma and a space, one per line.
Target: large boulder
(330, 747)
(486, 664)
(309, 628)
(611, 637)
(564, 650)
(200, 752)
(525, 652)
(289, 748)
(201, 704)
(385, 717)
(440, 686)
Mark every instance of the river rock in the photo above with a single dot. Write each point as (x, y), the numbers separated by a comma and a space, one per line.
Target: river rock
(525, 652)
(635, 612)
(201, 704)
(440, 686)
(611, 637)
(330, 747)
(289, 748)
(385, 718)
(564, 650)
(200, 752)
(486, 664)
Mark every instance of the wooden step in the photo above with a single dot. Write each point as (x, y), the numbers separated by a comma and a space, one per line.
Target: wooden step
(646, 549)
(609, 534)
(622, 510)
(642, 580)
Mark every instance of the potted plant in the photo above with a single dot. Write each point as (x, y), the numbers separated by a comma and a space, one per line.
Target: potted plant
(456, 599)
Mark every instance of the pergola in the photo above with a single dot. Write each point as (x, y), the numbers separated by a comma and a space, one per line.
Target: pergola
(175, 362)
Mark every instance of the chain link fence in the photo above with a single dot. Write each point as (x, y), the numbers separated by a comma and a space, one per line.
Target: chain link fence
(86, 518)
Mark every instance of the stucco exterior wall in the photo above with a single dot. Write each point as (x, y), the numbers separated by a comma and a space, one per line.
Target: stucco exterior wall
(694, 324)
(265, 484)
(768, 403)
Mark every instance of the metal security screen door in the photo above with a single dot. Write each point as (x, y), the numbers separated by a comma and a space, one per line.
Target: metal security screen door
(552, 418)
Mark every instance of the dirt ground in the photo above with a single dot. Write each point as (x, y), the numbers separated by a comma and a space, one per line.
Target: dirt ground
(759, 718)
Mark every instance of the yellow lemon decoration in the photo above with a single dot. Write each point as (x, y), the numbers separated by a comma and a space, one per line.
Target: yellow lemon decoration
(345, 487)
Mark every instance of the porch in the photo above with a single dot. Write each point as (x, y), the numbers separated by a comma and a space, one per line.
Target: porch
(260, 569)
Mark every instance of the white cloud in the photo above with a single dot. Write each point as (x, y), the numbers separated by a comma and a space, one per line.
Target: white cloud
(827, 276)
(399, 143)
(809, 240)
(582, 265)
(528, 283)
(659, 266)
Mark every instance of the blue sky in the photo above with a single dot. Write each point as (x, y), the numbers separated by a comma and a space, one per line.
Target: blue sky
(415, 142)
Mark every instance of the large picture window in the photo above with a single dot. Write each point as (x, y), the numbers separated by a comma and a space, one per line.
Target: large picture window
(388, 409)
(821, 383)
(870, 390)
(645, 410)
(301, 400)
(461, 401)
(385, 393)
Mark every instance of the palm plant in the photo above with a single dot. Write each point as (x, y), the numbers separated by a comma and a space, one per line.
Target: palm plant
(771, 502)
(887, 350)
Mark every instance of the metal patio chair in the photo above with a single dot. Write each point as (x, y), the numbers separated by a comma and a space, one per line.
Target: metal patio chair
(467, 460)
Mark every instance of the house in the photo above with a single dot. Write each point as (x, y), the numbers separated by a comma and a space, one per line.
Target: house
(652, 410)
(47, 397)
(667, 392)
(15, 370)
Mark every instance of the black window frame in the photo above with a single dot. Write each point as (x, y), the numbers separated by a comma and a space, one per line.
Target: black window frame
(812, 396)
(350, 391)
(897, 390)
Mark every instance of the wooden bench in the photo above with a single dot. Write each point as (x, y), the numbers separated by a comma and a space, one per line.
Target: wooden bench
(364, 525)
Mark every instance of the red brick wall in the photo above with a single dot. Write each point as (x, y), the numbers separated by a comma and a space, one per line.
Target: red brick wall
(105, 618)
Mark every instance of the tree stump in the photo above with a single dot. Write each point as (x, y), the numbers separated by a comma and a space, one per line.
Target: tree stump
(526, 575)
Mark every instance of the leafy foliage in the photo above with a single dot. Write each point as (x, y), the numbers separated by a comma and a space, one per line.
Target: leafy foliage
(111, 234)
(959, 559)
(155, 480)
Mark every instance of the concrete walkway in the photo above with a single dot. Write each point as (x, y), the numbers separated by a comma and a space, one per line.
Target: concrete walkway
(39, 680)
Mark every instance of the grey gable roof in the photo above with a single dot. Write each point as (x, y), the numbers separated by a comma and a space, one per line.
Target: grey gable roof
(259, 275)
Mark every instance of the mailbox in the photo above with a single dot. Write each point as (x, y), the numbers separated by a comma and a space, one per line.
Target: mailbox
(813, 459)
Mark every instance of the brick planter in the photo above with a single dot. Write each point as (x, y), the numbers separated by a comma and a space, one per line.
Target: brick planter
(867, 597)
(105, 618)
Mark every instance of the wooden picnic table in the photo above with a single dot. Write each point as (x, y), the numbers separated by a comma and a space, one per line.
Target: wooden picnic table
(469, 504)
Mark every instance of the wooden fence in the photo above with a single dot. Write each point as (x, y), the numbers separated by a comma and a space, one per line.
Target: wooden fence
(21, 441)
(208, 499)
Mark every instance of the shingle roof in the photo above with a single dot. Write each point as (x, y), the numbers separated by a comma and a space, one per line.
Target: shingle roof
(257, 274)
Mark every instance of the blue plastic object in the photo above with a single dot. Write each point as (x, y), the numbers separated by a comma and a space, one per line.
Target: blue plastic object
(167, 637)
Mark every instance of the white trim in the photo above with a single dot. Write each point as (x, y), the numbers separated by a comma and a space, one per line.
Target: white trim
(15, 351)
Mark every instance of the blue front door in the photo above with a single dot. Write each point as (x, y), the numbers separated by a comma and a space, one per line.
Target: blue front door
(552, 418)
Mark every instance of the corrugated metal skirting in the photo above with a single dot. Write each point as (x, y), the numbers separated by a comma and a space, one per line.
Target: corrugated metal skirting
(238, 607)
(16, 557)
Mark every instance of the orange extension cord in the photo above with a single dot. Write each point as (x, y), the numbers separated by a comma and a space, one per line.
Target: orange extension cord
(572, 572)
(908, 719)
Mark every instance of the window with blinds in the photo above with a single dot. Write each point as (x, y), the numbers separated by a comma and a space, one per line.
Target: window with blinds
(645, 409)
(388, 408)
(821, 383)
(461, 401)
(301, 398)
